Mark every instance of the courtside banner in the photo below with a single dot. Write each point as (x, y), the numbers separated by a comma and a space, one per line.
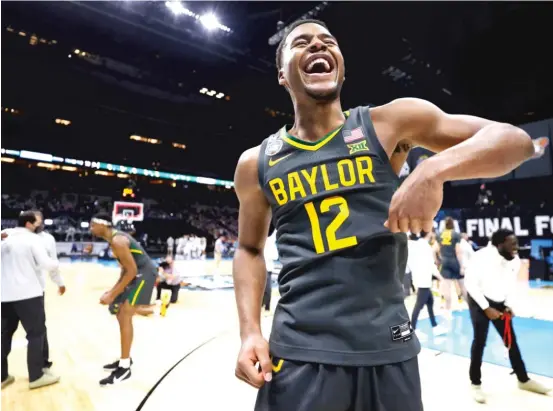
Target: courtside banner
(480, 224)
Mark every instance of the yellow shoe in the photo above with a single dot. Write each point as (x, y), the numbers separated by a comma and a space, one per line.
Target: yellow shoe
(164, 303)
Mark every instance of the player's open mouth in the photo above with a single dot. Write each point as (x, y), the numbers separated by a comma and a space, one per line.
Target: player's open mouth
(318, 64)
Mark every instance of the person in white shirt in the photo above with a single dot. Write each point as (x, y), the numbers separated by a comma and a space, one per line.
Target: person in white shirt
(219, 250)
(491, 280)
(70, 234)
(203, 245)
(466, 251)
(187, 250)
(170, 245)
(270, 253)
(180, 247)
(421, 263)
(49, 243)
(195, 247)
(22, 293)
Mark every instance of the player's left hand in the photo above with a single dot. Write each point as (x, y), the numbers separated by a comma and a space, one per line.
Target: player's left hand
(107, 298)
(415, 203)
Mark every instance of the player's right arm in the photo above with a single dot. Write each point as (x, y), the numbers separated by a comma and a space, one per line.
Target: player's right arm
(121, 248)
(249, 271)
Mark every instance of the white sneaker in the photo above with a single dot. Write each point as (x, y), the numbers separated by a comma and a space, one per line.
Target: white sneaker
(534, 386)
(46, 379)
(478, 394)
(439, 330)
(9, 380)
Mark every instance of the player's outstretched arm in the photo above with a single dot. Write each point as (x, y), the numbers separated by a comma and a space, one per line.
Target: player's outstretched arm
(467, 146)
(121, 248)
(249, 271)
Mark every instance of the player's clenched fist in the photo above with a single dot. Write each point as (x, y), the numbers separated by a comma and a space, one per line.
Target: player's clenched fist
(255, 350)
(416, 202)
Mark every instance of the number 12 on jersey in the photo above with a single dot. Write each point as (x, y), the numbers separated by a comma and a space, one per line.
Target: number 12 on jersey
(330, 231)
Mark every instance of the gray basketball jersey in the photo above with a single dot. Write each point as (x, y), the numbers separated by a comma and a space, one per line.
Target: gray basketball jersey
(340, 284)
(144, 264)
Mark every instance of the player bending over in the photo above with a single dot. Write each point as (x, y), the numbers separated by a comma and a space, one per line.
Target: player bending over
(134, 288)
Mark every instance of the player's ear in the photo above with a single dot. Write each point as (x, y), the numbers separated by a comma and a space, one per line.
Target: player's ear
(281, 78)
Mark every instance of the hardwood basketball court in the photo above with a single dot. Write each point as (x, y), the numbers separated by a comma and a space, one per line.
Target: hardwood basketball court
(83, 337)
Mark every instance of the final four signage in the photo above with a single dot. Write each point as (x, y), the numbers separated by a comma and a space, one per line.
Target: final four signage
(485, 227)
(537, 226)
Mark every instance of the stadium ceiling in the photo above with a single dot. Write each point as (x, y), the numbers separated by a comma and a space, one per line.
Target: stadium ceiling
(485, 58)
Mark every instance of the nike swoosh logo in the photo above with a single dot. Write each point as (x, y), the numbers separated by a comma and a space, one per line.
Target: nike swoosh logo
(278, 160)
(115, 380)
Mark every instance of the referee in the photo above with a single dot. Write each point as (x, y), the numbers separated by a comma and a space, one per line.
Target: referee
(22, 293)
(491, 280)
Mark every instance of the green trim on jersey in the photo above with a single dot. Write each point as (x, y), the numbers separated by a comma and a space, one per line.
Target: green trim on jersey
(310, 145)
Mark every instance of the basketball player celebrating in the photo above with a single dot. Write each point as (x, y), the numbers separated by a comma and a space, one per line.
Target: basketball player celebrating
(341, 335)
(134, 288)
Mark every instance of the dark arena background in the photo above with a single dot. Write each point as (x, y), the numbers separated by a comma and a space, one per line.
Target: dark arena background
(142, 109)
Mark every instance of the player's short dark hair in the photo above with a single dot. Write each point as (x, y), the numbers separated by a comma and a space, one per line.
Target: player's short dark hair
(449, 223)
(287, 31)
(500, 236)
(38, 212)
(25, 217)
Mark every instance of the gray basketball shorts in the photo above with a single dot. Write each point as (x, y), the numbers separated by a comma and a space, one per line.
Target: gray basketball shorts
(300, 386)
(138, 292)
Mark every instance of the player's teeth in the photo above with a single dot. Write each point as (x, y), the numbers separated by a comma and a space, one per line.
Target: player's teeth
(319, 60)
(310, 66)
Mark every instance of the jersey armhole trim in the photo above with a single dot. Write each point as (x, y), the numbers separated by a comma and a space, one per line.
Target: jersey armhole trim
(367, 121)
(261, 164)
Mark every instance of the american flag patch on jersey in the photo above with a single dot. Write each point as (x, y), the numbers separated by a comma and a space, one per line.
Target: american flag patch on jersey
(353, 135)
